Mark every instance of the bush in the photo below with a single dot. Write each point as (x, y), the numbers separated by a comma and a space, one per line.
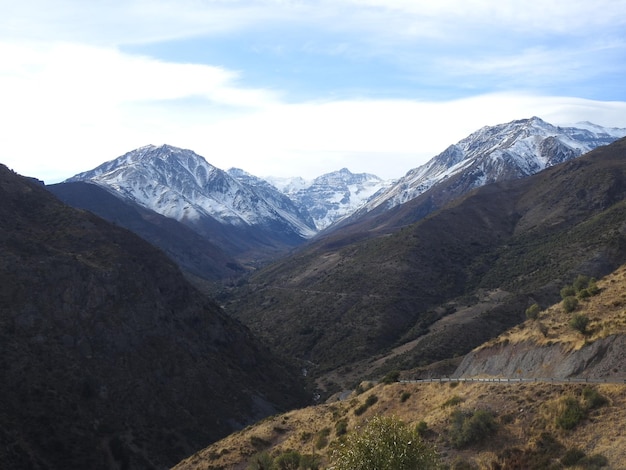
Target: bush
(391, 377)
(453, 401)
(421, 428)
(567, 291)
(532, 312)
(593, 398)
(405, 396)
(369, 401)
(572, 457)
(385, 443)
(468, 428)
(579, 322)
(570, 303)
(341, 427)
(289, 460)
(569, 413)
(262, 461)
(581, 282)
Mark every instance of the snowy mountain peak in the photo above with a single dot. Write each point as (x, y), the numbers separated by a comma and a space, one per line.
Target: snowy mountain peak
(181, 184)
(505, 151)
(331, 196)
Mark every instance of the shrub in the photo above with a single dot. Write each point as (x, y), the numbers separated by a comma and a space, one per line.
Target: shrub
(579, 322)
(289, 460)
(262, 461)
(391, 377)
(385, 443)
(532, 312)
(593, 398)
(322, 439)
(572, 457)
(369, 401)
(567, 291)
(341, 427)
(569, 413)
(581, 282)
(468, 428)
(405, 396)
(453, 401)
(421, 428)
(570, 303)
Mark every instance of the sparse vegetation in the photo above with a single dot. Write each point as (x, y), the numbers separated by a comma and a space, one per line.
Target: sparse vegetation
(532, 312)
(570, 303)
(385, 443)
(569, 412)
(369, 401)
(579, 322)
(467, 428)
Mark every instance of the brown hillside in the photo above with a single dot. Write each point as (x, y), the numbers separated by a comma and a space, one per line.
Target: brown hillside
(109, 359)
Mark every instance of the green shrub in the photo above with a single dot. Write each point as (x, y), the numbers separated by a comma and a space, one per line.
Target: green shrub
(289, 460)
(581, 282)
(391, 377)
(341, 427)
(567, 291)
(532, 312)
(593, 462)
(421, 428)
(572, 457)
(569, 413)
(385, 443)
(261, 461)
(468, 428)
(405, 396)
(453, 401)
(580, 322)
(369, 401)
(593, 399)
(321, 440)
(570, 303)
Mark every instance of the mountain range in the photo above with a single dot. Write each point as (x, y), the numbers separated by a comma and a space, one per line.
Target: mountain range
(245, 220)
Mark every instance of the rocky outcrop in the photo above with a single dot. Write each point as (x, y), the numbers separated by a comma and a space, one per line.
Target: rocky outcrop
(603, 358)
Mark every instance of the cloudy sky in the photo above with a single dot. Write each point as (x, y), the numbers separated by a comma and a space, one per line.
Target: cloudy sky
(296, 87)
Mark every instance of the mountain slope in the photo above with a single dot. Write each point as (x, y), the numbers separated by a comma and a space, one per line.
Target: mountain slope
(180, 184)
(108, 357)
(452, 280)
(494, 153)
(192, 252)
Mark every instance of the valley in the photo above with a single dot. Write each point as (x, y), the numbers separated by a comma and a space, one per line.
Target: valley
(157, 309)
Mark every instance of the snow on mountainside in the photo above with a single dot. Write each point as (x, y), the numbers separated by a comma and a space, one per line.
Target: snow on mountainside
(332, 196)
(506, 151)
(182, 185)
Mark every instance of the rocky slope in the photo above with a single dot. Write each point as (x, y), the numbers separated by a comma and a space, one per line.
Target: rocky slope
(108, 357)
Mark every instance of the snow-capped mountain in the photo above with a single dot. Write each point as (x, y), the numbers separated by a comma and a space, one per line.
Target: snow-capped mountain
(182, 185)
(494, 153)
(332, 196)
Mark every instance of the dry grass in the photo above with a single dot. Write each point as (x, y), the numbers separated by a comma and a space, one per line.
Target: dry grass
(606, 312)
(523, 412)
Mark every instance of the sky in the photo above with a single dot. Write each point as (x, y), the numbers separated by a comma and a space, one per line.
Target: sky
(296, 87)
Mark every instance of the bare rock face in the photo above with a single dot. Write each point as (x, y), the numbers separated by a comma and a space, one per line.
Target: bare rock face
(604, 358)
(109, 358)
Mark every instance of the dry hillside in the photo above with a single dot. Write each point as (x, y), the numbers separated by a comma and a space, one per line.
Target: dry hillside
(538, 425)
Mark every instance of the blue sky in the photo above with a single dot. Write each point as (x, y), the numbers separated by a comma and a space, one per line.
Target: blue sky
(296, 88)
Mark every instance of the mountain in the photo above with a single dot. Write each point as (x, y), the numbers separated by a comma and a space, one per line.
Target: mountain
(333, 196)
(109, 358)
(494, 153)
(191, 251)
(438, 287)
(246, 221)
